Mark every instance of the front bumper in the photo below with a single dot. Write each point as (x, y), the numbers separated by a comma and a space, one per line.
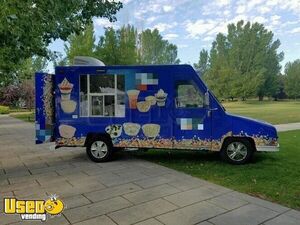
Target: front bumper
(268, 148)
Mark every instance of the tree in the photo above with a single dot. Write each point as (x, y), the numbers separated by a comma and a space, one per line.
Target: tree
(118, 47)
(280, 83)
(126, 47)
(292, 82)
(221, 76)
(27, 92)
(170, 54)
(24, 71)
(27, 27)
(58, 59)
(245, 62)
(82, 44)
(30, 66)
(202, 64)
(21, 88)
(152, 49)
(107, 49)
(271, 62)
(127, 36)
(10, 95)
(18, 94)
(123, 46)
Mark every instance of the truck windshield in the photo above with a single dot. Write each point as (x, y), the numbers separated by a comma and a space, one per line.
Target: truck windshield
(199, 77)
(212, 94)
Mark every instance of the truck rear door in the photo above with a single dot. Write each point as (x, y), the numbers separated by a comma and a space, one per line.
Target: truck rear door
(44, 110)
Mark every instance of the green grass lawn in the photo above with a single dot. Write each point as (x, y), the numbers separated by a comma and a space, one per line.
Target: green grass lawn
(271, 176)
(25, 116)
(275, 112)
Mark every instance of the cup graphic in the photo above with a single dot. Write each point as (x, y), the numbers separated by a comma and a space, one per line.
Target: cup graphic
(161, 97)
(151, 99)
(132, 97)
(65, 88)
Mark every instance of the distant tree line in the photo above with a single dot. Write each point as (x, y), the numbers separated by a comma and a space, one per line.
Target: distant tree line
(246, 63)
(291, 79)
(124, 46)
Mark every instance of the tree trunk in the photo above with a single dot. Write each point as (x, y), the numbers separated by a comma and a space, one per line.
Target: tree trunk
(260, 98)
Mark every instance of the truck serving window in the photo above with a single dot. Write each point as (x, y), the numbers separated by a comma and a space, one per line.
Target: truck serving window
(102, 95)
(188, 95)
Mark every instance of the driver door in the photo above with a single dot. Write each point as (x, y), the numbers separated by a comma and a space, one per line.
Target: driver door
(192, 126)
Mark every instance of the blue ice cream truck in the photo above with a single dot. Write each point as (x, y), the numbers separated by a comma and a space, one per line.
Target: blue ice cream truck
(108, 108)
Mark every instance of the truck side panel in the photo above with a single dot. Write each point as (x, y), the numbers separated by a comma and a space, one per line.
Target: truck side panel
(73, 127)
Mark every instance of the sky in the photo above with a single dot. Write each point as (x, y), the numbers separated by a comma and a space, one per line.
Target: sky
(193, 24)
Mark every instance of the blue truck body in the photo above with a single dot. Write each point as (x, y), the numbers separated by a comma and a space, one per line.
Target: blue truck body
(158, 106)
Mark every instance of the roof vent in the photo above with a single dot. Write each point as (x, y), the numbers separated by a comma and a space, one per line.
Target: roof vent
(87, 61)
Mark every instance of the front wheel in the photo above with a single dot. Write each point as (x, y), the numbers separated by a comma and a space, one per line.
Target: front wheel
(100, 150)
(237, 151)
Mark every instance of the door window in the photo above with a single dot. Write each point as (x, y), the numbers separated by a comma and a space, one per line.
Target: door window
(188, 95)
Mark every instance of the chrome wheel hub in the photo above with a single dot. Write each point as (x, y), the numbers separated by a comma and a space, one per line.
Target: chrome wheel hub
(237, 151)
(99, 149)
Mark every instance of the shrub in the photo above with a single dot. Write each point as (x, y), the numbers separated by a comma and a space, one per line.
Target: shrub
(27, 93)
(18, 95)
(4, 109)
(10, 95)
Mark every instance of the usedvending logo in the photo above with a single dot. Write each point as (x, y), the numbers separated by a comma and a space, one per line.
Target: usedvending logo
(34, 209)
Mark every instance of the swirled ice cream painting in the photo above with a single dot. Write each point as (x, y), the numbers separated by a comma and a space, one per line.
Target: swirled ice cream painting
(161, 97)
(67, 105)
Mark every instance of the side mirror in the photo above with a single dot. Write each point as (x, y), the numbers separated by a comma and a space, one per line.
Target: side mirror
(176, 102)
(206, 99)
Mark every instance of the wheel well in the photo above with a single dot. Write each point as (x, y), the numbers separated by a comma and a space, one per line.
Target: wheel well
(239, 138)
(93, 135)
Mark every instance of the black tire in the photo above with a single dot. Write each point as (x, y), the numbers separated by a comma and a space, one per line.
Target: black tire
(100, 149)
(237, 151)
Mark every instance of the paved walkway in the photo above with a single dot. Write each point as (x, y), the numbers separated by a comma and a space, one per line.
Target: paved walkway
(125, 191)
(288, 126)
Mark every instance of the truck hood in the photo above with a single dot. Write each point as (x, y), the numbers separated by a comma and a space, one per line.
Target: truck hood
(251, 127)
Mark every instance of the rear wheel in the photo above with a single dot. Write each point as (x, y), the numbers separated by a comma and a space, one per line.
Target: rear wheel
(237, 151)
(100, 150)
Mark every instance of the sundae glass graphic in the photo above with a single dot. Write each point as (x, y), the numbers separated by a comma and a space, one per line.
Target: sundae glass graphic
(66, 131)
(151, 99)
(65, 88)
(132, 96)
(161, 97)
